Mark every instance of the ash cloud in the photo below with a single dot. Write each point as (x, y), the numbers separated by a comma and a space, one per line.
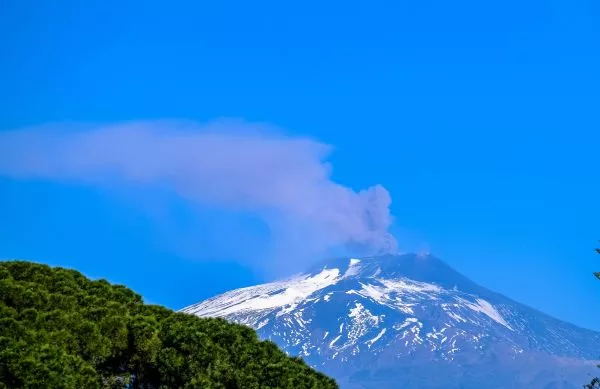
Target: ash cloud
(237, 166)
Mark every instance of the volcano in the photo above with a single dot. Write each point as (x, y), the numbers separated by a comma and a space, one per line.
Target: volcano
(410, 321)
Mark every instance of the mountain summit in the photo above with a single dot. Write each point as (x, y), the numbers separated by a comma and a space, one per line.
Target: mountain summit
(410, 321)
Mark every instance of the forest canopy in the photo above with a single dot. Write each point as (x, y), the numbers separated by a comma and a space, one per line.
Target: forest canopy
(59, 329)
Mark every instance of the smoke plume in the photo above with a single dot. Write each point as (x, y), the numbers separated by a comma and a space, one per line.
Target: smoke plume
(236, 166)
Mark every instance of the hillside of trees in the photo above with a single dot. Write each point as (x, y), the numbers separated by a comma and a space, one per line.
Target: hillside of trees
(59, 329)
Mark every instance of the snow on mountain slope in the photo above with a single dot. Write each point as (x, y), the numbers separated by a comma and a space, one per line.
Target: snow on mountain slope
(267, 297)
(378, 321)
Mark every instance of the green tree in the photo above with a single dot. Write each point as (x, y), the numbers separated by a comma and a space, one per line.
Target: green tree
(597, 274)
(59, 329)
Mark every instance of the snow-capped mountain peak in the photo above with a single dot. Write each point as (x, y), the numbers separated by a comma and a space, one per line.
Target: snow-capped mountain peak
(386, 315)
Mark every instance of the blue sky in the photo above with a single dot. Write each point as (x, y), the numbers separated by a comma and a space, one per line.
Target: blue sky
(480, 118)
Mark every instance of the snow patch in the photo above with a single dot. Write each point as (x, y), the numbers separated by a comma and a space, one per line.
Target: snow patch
(369, 343)
(286, 293)
(406, 323)
(407, 285)
(362, 321)
(262, 324)
(353, 268)
(334, 340)
(487, 309)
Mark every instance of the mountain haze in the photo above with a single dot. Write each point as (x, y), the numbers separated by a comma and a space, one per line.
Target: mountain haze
(410, 321)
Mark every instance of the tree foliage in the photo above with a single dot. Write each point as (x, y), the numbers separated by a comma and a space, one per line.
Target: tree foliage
(59, 329)
(597, 274)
